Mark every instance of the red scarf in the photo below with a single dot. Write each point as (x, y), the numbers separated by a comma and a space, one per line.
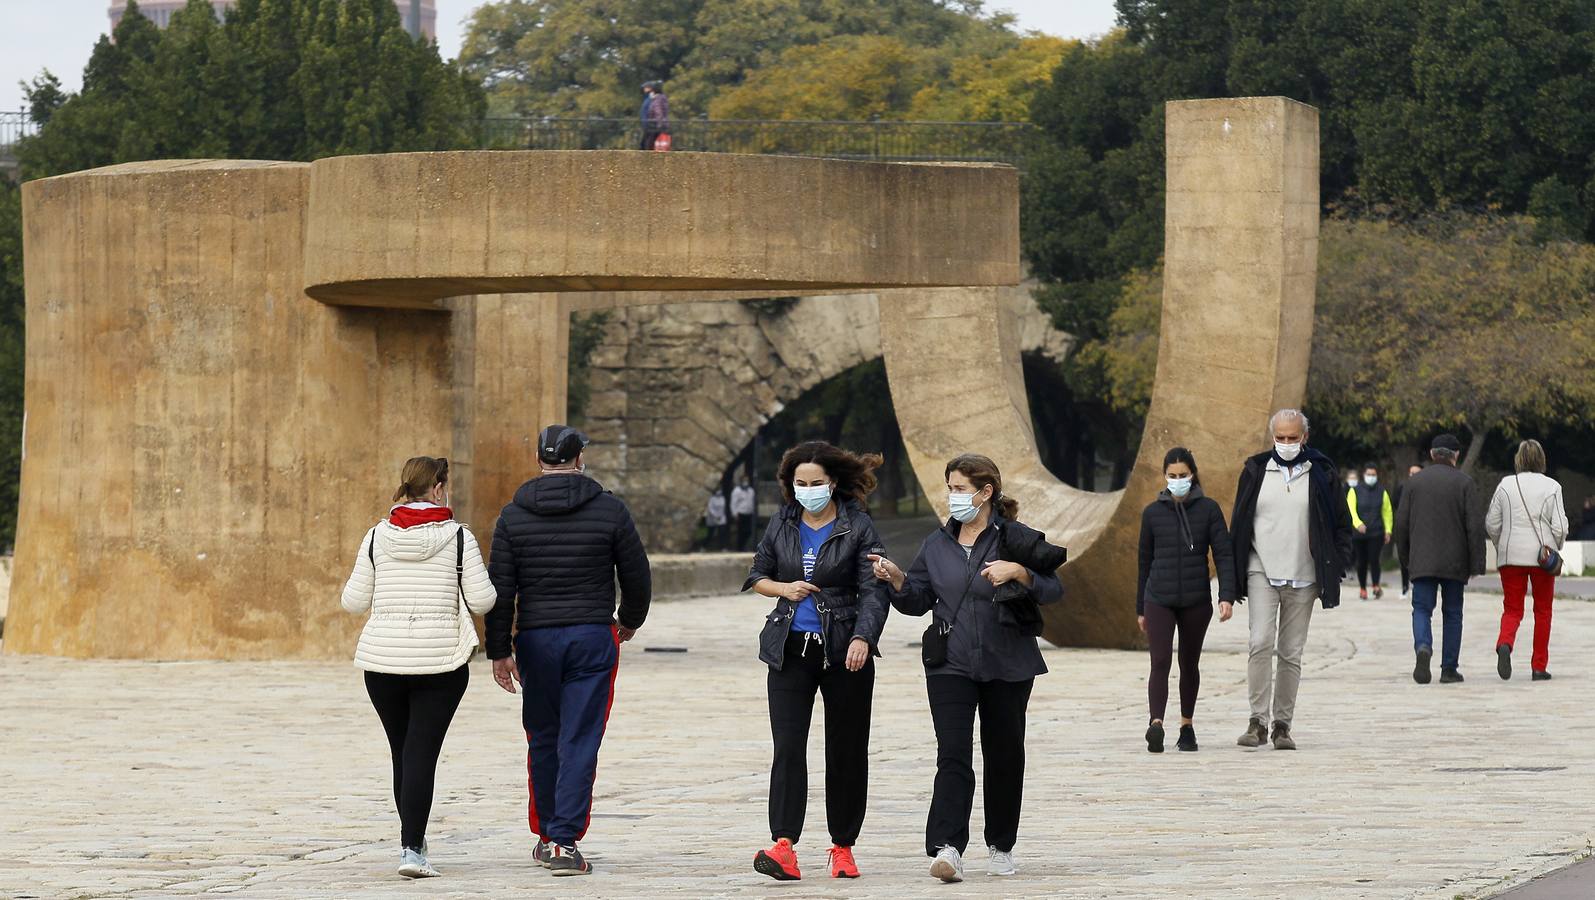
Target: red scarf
(406, 516)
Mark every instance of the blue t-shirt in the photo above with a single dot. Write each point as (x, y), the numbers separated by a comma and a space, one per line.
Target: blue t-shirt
(807, 617)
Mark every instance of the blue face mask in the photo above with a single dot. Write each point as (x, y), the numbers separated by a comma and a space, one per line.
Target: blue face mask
(1179, 487)
(814, 499)
(962, 507)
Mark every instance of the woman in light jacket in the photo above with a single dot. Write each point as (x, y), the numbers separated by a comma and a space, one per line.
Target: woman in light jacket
(990, 666)
(1525, 515)
(420, 576)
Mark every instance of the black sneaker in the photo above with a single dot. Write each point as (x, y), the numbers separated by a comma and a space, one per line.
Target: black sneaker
(1187, 740)
(1154, 737)
(569, 861)
(1450, 676)
(1541, 675)
(1503, 661)
(543, 854)
(1421, 673)
(1282, 739)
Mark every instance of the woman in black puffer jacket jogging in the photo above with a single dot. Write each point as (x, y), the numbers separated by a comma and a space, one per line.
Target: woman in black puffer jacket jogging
(1174, 592)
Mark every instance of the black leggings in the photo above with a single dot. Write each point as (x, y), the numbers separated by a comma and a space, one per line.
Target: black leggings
(1161, 623)
(1369, 551)
(415, 712)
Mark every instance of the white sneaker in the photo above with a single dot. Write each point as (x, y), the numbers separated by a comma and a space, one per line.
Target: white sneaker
(414, 864)
(949, 866)
(1001, 862)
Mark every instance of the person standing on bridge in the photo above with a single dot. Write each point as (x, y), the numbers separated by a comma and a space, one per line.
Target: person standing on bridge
(980, 657)
(1292, 535)
(1373, 515)
(655, 115)
(558, 549)
(1178, 531)
(814, 561)
(1440, 531)
(419, 574)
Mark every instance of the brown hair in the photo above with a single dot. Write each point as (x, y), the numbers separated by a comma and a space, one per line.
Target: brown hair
(981, 471)
(421, 474)
(1530, 457)
(852, 474)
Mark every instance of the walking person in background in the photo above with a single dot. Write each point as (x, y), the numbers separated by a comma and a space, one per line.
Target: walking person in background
(744, 509)
(1373, 515)
(1586, 526)
(714, 516)
(558, 550)
(1440, 533)
(1526, 518)
(978, 656)
(814, 561)
(655, 114)
(1292, 535)
(420, 576)
(1406, 573)
(1178, 532)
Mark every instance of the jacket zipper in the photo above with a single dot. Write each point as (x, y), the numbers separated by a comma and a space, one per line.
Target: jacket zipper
(825, 613)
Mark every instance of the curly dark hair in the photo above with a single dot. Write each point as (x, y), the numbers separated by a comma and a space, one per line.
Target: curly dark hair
(852, 474)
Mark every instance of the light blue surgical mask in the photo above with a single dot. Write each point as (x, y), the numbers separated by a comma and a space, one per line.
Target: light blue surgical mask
(962, 507)
(1179, 487)
(1370, 480)
(815, 498)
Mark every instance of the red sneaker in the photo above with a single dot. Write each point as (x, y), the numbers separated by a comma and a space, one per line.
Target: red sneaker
(842, 864)
(1362, 594)
(778, 862)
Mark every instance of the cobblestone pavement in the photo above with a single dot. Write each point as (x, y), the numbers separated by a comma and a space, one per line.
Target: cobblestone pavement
(271, 780)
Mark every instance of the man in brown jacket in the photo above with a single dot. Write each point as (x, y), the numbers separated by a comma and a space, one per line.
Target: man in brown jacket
(1440, 532)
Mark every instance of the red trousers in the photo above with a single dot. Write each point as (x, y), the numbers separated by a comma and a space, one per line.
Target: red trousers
(1515, 582)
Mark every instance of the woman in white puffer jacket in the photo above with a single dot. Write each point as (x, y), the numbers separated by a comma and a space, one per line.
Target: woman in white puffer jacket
(420, 575)
(1525, 515)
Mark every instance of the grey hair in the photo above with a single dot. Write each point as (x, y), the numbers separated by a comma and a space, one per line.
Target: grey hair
(1298, 415)
(1440, 454)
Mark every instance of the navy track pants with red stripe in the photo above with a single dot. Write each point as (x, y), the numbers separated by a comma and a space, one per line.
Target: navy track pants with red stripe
(567, 687)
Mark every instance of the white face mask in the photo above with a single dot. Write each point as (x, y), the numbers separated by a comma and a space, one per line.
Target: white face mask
(1370, 480)
(1179, 487)
(962, 507)
(814, 499)
(1287, 452)
(1351, 482)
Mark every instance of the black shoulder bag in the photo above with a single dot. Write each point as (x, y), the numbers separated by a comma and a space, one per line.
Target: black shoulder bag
(933, 645)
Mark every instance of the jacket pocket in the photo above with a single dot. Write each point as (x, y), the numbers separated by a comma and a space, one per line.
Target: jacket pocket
(772, 639)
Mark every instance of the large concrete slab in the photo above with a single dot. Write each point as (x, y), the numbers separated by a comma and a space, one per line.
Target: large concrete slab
(142, 780)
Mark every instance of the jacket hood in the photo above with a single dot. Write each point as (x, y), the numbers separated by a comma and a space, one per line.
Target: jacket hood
(558, 493)
(417, 542)
(406, 515)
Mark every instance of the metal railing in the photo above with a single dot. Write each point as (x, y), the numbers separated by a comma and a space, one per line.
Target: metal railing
(13, 127)
(1002, 142)
(888, 141)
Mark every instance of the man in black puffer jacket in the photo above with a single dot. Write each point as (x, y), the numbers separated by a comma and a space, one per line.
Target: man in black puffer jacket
(557, 550)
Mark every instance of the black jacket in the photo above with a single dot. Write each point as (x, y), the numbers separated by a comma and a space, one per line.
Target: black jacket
(1016, 604)
(852, 603)
(1175, 541)
(558, 548)
(1440, 525)
(943, 582)
(1329, 521)
(1371, 509)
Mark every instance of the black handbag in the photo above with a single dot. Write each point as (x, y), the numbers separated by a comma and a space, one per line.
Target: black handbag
(933, 645)
(1548, 558)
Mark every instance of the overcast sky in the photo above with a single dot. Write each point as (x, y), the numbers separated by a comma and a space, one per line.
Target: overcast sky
(58, 34)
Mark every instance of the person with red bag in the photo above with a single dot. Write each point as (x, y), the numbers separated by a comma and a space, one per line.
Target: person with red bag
(1527, 522)
(655, 117)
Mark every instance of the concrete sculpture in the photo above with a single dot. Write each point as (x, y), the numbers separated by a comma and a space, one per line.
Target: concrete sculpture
(205, 440)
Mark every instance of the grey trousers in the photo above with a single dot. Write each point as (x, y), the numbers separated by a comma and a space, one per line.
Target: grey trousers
(1277, 618)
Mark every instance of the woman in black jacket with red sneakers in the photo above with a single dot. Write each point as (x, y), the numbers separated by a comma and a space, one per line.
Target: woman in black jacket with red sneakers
(1174, 592)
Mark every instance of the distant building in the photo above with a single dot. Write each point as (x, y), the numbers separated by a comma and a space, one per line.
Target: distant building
(161, 11)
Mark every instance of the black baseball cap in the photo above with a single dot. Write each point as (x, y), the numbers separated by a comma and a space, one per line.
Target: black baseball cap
(1447, 442)
(559, 444)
